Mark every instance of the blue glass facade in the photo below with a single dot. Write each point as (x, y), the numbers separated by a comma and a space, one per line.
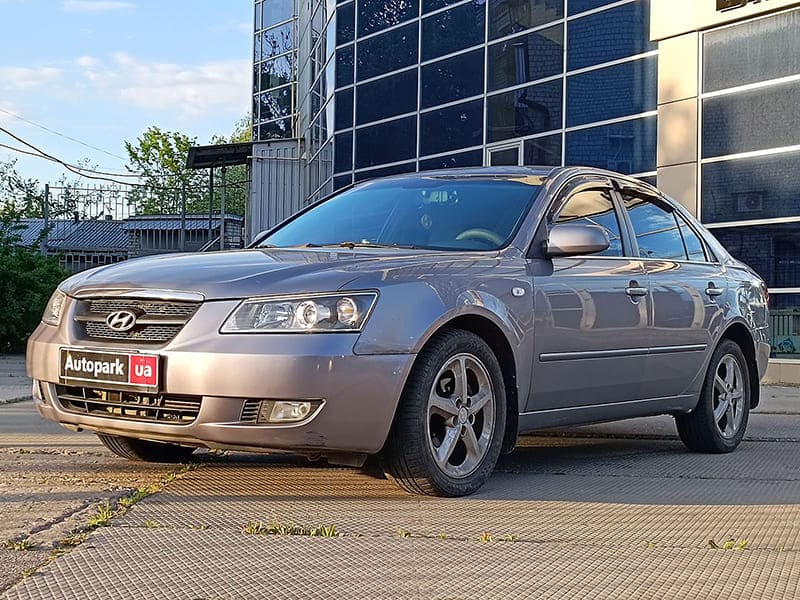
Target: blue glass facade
(383, 86)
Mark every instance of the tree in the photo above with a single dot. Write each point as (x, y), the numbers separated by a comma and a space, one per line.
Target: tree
(160, 157)
(26, 281)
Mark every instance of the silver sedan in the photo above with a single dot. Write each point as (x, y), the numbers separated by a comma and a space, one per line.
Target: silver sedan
(428, 319)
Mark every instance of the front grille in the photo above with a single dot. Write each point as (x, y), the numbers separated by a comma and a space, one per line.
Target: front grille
(156, 408)
(157, 322)
(250, 411)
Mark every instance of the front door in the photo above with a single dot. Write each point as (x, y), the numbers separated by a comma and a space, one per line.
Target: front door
(590, 330)
(686, 286)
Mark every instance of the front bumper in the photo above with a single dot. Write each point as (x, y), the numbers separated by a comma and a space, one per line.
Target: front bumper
(361, 392)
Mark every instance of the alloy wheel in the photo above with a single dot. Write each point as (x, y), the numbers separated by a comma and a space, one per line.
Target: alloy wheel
(460, 415)
(728, 404)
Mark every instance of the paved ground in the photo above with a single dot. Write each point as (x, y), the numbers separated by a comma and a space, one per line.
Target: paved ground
(611, 511)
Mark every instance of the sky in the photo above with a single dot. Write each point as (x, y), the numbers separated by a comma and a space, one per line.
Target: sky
(103, 71)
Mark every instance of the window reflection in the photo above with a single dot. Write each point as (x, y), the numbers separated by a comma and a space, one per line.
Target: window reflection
(452, 79)
(526, 58)
(656, 230)
(387, 52)
(451, 128)
(374, 15)
(453, 30)
(510, 16)
(544, 151)
(594, 207)
(772, 250)
(531, 110)
(276, 41)
(627, 147)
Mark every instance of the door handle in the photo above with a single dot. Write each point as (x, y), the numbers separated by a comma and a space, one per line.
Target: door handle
(635, 291)
(713, 291)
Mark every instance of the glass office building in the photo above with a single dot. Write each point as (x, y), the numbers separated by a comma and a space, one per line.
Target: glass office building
(699, 96)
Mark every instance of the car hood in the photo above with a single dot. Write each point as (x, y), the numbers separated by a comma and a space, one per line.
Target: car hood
(243, 273)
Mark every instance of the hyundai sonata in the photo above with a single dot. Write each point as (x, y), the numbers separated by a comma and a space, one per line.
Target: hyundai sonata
(428, 319)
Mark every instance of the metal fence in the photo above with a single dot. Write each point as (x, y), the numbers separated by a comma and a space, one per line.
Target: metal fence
(102, 224)
(785, 333)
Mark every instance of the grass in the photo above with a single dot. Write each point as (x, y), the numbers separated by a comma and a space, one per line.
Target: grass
(731, 544)
(276, 528)
(20, 545)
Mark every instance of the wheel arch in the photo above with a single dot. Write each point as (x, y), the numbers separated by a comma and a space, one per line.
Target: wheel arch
(740, 334)
(491, 333)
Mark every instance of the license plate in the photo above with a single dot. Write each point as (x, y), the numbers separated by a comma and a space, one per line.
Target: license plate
(117, 368)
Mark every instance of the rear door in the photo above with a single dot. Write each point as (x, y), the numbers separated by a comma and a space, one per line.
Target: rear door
(686, 288)
(590, 331)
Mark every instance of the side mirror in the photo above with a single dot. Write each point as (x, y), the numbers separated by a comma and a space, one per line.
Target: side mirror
(574, 240)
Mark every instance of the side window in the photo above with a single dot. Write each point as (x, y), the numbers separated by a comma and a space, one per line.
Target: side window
(594, 207)
(694, 246)
(656, 230)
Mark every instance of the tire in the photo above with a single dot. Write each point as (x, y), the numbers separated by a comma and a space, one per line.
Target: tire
(143, 450)
(703, 431)
(424, 428)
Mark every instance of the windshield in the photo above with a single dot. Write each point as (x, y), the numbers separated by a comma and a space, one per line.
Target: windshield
(432, 213)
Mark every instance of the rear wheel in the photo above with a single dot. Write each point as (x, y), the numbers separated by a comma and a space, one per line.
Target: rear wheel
(718, 423)
(144, 450)
(448, 432)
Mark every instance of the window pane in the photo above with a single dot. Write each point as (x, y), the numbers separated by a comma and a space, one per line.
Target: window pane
(343, 152)
(430, 5)
(344, 66)
(276, 11)
(387, 52)
(385, 172)
(341, 181)
(277, 103)
(345, 23)
(276, 41)
(343, 100)
(504, 158)
(579, 6)
(275, 130)
(772, 250)
(544, 151)
(694, 247)
(762, 187)
(371, 146)
(656, 230)
(452, 79)
(374, 15)
(754, 120)
(594, 207)
(526, 58)
(452, 128)
(627, 89)
(453, 30)
(754, 51)
(609, 35)
(784, 325)
(534, 109)
(627, 147)
(387, 97)
(276, 72)
(509, 16)
(473, 158)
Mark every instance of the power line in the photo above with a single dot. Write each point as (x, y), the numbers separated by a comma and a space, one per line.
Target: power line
(58, 133)
(34, 154)
(96, 175)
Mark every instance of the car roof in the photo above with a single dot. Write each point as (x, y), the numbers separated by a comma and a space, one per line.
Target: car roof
(467, 172)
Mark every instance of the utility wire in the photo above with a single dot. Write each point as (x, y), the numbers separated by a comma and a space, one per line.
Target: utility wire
(58, 133)
(96, 175)
(36, 155)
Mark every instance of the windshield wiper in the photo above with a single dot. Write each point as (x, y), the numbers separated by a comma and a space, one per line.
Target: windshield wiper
(351, 245)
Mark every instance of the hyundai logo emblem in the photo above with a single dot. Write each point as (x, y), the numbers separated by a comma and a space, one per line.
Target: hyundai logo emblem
(121, 320)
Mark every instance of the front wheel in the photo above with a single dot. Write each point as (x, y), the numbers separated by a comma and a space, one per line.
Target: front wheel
(718, 423)
(448, 432)
(143, 450)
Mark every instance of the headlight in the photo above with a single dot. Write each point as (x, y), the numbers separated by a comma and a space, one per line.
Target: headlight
(52, 312)
(312, 313)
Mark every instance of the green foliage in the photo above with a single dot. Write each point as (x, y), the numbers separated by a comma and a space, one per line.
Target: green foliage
(27, 280)
(160, 156)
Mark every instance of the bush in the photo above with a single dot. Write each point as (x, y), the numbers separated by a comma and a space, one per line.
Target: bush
(27, 280)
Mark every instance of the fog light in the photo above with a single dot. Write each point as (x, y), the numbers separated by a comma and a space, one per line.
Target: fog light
(286, 411)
